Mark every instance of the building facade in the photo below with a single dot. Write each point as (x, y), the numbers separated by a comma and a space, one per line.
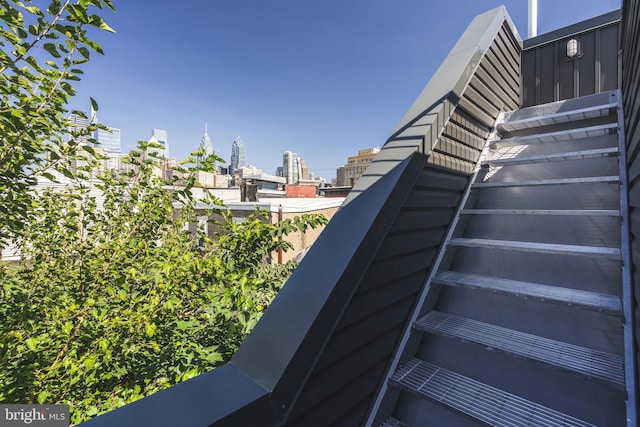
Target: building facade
(159, 136)
(238, 155)
(109, 140)
(78, 123)
(291, 169)
(349, 174)
(205, 145)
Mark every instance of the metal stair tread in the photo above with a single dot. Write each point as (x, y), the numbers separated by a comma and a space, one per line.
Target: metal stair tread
(564, 135)
(554, 181)
(476, 399)
(590, 363)
(550, 248)
(605, 303)
(560, 212)
(557, 118)
(555, 157)
(389, 422)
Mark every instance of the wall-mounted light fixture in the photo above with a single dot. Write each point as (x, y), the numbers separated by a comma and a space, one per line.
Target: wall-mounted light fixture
(573, 50)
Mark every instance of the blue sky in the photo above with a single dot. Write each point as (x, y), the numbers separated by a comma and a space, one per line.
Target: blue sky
(320, 78)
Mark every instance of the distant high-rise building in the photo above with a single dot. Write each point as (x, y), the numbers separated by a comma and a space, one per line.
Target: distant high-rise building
(304, 170)
(206, 145)
(109, 140)
(238, 155)
(159, 136)
(78, 122)
(291, 167)
(340, 179)
(351, 172)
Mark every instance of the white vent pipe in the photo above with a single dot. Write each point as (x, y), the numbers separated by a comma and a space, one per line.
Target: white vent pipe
(533, 18)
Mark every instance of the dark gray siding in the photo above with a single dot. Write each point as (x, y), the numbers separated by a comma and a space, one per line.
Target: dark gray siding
(630, 90)
(547, 74)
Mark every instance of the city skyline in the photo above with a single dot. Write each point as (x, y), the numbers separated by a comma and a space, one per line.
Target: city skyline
(322, 80)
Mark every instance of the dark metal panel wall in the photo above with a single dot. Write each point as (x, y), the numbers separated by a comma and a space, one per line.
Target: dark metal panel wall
(630, 90)
(548, 75)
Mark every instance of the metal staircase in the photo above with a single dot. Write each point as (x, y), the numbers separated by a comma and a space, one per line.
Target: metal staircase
(521, 322)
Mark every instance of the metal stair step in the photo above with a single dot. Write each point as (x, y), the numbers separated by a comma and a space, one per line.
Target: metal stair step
(557, 118)
(475, 399)
(604, 303)
(565, 135)
(590, 363)
(556, 181)
(546, 248)
(559, 212)
(556, 157)
(389, 422)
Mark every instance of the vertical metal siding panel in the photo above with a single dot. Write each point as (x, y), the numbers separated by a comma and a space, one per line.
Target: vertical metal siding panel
(631, 87)
(630, 34)
(537, 71)
(528, 78)
(632, 126)
(633, 33)
(556, 73)
(598, 64)
(594, 72)
(609, 57)
(587, 63)
(546, 81)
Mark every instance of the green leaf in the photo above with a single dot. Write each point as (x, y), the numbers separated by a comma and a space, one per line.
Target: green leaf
(89, 149)
(31, 344)
(67, 328)
(51, 48)
(150, 328)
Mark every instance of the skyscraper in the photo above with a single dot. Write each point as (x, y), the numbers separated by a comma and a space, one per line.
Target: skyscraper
(238, 155)
(109, 140)
(206, 141)
(78, 123)
(304, 170)
(159, 136)
(206, 145)
(291, 167)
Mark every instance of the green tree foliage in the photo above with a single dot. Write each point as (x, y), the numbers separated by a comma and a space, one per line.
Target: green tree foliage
(117, 301)
(43, 51)
(114, 298)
